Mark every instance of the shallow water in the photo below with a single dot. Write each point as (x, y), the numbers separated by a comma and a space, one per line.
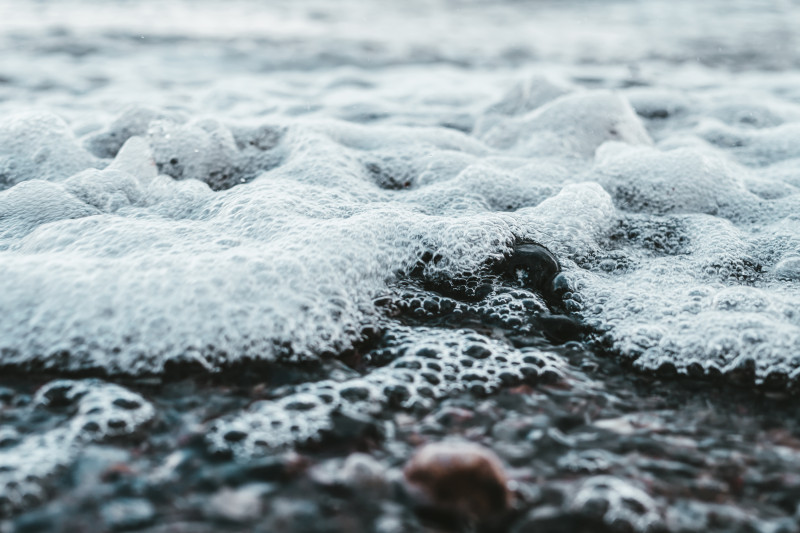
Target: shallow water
(239, 243)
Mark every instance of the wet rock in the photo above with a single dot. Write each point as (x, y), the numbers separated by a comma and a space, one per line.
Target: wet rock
(363, 471)
(6, 394)
(238, 505)
(559, 328)
(351, 428)
(547, 519)
(127, 513)
(274, 468)
(461, 478)
(531, 263)
(359, 473)
(295, 515)
(618, 504)
(34, 522)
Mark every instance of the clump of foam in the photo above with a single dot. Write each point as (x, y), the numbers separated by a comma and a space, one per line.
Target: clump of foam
(529, 94)
(618, 503)
(284, 266)
(678, 181)
(96, 411)
(788, 268)
(571, 126)
(134, 121)
(203, 150)
(426, 365)
(658, 104)
(39, 145)
(756, 148)
(703, 307)
(212, 240)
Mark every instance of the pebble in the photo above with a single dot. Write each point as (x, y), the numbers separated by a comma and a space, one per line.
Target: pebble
(127, 513)
(536, 263)
(237, 505)
(460, 477)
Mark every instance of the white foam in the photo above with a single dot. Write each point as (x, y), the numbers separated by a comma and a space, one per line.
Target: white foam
(230, 197)
(435, 364)
(96, 411)
(39, 145)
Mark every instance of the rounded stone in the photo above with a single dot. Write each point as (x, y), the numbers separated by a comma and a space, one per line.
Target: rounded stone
(459, 477)
(536, 264)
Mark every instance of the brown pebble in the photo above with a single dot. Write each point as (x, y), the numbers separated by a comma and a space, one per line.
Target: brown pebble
(459, 477)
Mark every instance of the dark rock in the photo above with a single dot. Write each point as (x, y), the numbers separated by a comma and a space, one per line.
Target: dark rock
(532, 263)
(548, 519)
(559, 328)
(351, 428)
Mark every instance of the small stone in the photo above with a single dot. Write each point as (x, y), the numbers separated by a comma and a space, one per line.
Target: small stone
(478, 351)
(237, 505)
(559, 328)
(128, 513)
(348, 427)
(535, 262)
(546, 519)
(361, 470)
(459, 477)
(6, 394)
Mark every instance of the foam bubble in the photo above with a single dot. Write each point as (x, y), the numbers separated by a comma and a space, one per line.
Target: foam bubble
(574, 125)
(240, 216)
(133, 121)
(679, 181)
(96, 412)
(39, 145)
(431, 364)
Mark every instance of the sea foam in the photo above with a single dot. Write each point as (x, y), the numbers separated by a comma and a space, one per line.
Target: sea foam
(253, 204)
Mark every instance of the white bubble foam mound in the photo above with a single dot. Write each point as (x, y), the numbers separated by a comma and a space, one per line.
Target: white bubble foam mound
(705, 306)
(203, 150)
(266, 227)
(34, 203)
(570, 223)
(152, 270)
(758, 148)
(529, 94)
(658, 104)
(744, 110)
(134, 121)
(788, 268)
(39, 145)
(678, 181)
(572, 126)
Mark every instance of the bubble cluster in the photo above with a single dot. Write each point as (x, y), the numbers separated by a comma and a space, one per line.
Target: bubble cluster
(95, 411)
(424, 365)
(213, 215)
(39, 145)
(617, 503)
